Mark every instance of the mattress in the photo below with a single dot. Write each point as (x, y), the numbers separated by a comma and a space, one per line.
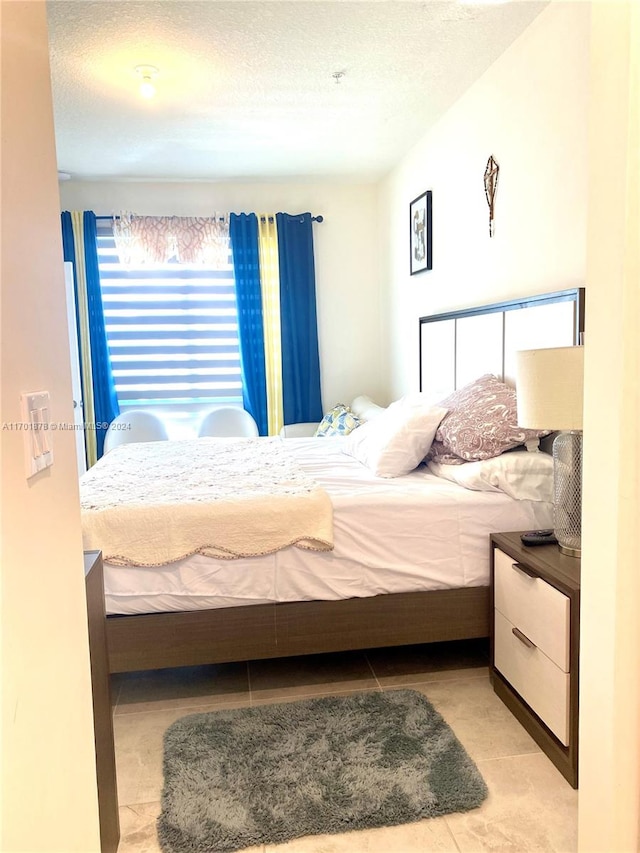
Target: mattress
(408, 534)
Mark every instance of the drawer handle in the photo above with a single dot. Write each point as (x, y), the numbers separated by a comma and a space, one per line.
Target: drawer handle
(520, 567)
(523, 638)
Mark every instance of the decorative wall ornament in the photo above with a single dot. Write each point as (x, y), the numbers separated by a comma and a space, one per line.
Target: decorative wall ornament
(420, 229)
(490, 187)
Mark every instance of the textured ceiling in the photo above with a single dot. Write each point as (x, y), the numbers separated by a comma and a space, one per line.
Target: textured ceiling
(245, 89)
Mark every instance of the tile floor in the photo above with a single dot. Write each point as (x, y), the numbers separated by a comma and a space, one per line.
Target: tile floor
(530, 806)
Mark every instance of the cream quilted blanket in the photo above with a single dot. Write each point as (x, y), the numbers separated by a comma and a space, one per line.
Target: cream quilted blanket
(152, 503)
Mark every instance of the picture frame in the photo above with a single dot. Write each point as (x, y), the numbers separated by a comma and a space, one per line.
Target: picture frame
(420, 233)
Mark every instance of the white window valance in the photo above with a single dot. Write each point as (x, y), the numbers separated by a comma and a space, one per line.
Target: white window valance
(158, 239)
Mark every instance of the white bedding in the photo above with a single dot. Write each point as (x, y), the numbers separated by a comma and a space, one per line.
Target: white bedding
(412, 533)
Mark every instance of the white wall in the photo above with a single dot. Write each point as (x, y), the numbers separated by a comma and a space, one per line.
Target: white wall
(610, 641)
(529, 110)
(49, 797)
(347, 274)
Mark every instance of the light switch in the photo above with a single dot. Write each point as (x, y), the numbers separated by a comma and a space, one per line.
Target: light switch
(37, 431)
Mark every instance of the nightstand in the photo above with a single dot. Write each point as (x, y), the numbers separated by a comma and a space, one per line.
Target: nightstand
(535, 637)
(102, 712)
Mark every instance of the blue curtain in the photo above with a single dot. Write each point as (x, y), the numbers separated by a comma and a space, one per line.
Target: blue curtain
(243, 232)
(300, 357)
(101, 404)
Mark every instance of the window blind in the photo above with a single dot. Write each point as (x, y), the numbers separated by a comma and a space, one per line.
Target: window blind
(172, 331)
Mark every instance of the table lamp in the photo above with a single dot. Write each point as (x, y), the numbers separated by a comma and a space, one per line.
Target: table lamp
(549, 386)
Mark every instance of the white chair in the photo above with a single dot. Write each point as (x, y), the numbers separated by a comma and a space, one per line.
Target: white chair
(228, 421)
(136, 425)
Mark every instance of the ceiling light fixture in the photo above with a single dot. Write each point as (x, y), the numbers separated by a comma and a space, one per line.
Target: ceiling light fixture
(147, 73)
(338, 75)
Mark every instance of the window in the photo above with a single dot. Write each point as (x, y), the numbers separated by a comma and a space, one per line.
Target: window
(172, 331)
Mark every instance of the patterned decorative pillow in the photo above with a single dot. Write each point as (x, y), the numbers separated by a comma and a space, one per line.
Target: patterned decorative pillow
(481, 423)
(338, 421)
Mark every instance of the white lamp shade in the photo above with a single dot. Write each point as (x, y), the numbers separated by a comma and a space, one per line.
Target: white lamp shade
(549, 384)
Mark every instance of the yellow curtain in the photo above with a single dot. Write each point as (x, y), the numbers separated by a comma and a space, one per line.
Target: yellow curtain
(85, 347)
(270, 289)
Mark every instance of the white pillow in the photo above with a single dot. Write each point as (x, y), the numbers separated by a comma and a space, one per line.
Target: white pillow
(365, 409)
(523, 475)
(397, 440)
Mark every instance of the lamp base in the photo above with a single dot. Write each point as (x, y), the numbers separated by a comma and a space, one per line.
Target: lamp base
(570, 552)
(567, 481)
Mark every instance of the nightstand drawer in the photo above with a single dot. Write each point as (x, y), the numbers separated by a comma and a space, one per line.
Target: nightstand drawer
(533, 606)
(542, 684)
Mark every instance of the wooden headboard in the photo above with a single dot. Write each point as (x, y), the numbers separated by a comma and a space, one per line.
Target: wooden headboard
(459, 346)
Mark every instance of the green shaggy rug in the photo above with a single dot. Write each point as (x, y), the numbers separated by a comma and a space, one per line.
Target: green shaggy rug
(272, 773)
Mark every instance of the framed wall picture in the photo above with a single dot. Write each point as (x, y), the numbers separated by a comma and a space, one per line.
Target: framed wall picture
(420, 235)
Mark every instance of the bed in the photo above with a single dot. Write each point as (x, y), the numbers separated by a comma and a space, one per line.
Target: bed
(422, 578)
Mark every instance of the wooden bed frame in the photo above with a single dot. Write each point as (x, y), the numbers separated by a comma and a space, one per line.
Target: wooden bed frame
(260, 631)
(159, 640)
